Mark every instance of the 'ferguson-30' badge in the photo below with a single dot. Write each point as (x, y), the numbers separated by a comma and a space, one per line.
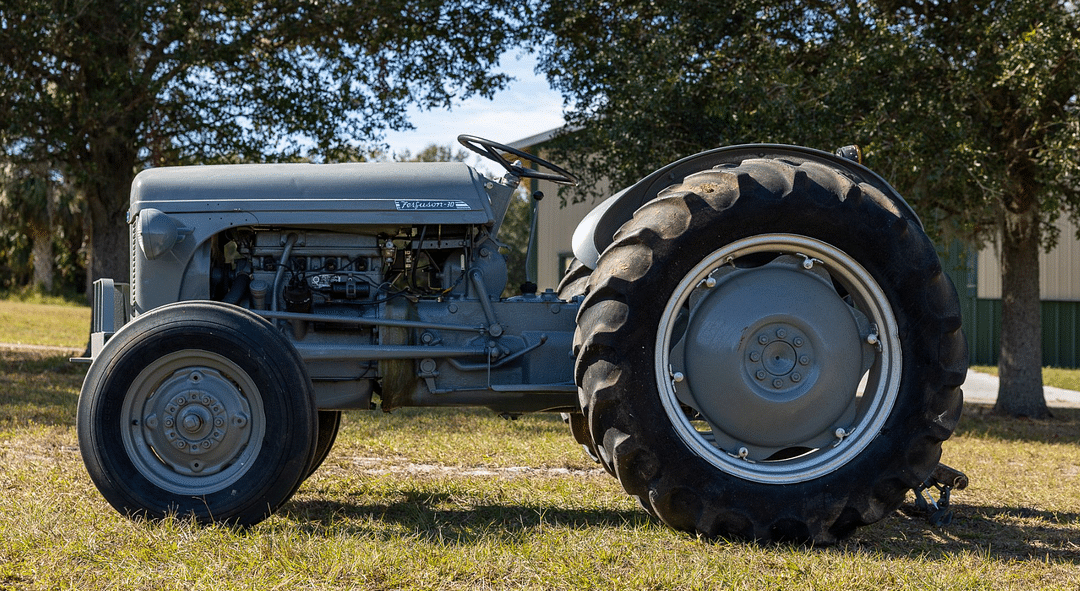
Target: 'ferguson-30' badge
(429, 205)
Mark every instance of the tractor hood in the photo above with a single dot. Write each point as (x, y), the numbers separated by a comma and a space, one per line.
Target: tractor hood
(318, 194)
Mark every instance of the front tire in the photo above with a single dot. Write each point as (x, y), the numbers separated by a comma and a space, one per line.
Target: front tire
(329, 425)
(198, 409)
(770, 351)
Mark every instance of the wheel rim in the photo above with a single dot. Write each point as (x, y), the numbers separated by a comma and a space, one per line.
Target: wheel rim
(192, 422)
(778, 358)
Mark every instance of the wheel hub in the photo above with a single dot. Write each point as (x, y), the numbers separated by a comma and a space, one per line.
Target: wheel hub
(775, 323)
(760, 352)
(195, 422)
(778, 356)
(189, 427)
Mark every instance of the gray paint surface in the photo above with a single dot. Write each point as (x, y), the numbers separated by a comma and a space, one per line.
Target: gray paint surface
(321, 194)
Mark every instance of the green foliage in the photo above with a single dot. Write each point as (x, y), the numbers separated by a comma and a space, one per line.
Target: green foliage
(36, 208)
(960, 104)
(970, 107)
(434, 153)
(652, 82)
(197, 81)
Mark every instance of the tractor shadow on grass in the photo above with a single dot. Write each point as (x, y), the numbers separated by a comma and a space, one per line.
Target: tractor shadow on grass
(448, 518)
(980, 421)
(40, 387)
(1012, 533)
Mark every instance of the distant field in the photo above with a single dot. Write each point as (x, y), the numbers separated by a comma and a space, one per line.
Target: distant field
(54, 324)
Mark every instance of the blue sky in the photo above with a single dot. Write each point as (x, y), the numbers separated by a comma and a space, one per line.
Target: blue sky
(528, 106)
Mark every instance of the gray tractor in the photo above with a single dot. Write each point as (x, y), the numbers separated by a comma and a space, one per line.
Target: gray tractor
(758, 341)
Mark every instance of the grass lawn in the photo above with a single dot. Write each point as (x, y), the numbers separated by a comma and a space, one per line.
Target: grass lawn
(52, 323)
(461, 499)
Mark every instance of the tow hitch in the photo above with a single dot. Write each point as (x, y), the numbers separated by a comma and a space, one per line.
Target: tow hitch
(944, 479)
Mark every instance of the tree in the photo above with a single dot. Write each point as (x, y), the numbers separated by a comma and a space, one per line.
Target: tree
(99, 88)
(970, 108)
(38, 224)
(434, 153)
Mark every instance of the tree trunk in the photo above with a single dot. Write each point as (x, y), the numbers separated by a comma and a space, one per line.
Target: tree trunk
(105, 228)
(107, 196)
(41, 251)
(1020, 392)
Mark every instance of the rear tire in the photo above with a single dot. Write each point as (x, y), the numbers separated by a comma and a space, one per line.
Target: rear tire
(575, 283)
(722, 343)
(198, 409)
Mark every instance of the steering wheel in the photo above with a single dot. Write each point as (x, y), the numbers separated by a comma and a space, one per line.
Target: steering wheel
(490, 150)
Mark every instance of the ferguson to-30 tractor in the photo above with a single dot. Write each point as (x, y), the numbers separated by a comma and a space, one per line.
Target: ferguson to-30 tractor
(757, 341)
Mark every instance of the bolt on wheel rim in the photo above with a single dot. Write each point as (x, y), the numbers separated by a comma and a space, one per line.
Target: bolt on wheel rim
(777, 358)
(192, 422)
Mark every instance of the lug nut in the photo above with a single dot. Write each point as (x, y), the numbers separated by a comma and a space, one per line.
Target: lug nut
(778, 383)
(192, 423)
(760, 374)
(755, 356)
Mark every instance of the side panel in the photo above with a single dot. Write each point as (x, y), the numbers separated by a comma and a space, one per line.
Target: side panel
(528, 367)
(185, 266)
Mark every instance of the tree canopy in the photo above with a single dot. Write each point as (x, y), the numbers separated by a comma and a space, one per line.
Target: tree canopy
(969, 108)
(95, 89)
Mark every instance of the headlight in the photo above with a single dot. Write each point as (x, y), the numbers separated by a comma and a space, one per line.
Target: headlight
(158, 232)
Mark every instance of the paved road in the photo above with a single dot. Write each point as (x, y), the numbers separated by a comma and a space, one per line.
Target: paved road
(45, 348)
(982, 388)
